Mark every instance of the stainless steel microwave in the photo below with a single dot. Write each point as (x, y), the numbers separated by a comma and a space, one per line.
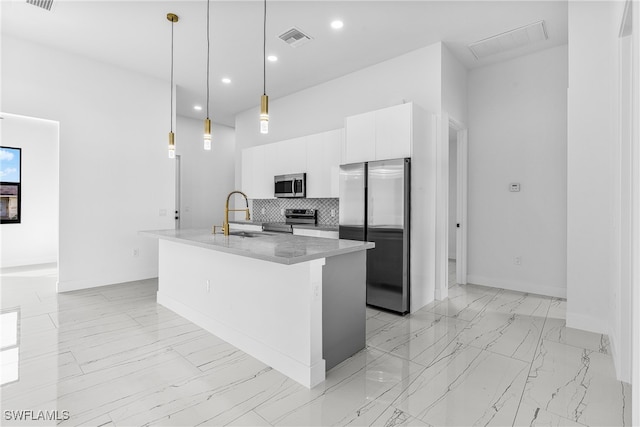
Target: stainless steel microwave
(293, 185)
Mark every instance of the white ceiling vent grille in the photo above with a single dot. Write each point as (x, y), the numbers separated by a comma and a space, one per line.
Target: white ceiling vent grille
(509, 40)
(45, 4)
(294, 37)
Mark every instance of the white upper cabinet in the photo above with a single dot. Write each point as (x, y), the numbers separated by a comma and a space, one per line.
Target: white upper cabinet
(323, 164)
(247, 172)
(291, 156)
(393, 132)
(316, 155)
(360, 143)
(379, 135)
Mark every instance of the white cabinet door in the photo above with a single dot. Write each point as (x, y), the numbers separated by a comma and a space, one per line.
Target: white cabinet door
(323, 164)
(393, 132)
(292, 156)
(360, 138)
(269, 162)
(258, 187)
(333, 141)
(316, 174)
(247, 172)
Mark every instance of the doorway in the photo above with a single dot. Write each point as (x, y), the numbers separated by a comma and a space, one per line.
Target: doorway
(457, 215)
(448, 217)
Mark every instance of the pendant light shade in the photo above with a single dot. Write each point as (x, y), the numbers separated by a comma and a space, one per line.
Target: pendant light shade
(207, 134)
(264, 100)
(173, 18)
(207, 122)
(264, 114)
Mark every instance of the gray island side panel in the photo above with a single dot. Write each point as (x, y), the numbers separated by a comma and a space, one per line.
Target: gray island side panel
(343, 307)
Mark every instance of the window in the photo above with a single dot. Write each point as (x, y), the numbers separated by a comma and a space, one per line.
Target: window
(10, 185)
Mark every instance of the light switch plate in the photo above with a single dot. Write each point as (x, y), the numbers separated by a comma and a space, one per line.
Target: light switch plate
(514, 187)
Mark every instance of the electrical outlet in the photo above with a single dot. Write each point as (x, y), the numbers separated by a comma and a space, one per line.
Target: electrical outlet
(517, 260)
(136, 252)
(208, 286)
(281, 211)
(333, 213)
(263, 211)
(316, 291)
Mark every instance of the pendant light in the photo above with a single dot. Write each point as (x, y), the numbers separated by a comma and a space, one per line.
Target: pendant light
(264, 100)
(173, 18)
(207, 122)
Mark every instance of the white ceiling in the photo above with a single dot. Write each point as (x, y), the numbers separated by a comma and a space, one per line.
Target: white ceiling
(136, 35)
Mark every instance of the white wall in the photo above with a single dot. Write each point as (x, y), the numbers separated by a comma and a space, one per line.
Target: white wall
(115, 176)
(592, 144)
(517, 133)
(35, 239)
(454, 87)
(453, 191)
(414, 76)
(206, 176)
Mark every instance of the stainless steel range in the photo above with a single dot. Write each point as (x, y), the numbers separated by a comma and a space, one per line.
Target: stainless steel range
(292, 217)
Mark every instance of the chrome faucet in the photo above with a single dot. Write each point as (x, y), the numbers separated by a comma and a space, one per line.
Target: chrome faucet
(225, 225)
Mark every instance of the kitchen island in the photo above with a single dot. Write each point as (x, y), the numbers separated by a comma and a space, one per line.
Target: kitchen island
(296, 303)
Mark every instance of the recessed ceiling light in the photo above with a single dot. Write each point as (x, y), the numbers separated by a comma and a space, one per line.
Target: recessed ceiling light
(197, 108)
(226, 80)
(272, 58)
(337, 24)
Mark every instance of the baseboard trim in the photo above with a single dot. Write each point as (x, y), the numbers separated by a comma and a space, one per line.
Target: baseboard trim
(29, 262)
(530, 288)
(77, 285)
(587, 323)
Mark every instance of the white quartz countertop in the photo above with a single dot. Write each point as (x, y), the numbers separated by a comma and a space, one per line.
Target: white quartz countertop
(282, 248)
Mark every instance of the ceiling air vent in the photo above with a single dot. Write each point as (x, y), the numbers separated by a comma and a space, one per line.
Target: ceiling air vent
(294, 37)
(45, 4)
(510, 40)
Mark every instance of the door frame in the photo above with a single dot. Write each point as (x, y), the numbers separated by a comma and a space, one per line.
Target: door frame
(443, 122)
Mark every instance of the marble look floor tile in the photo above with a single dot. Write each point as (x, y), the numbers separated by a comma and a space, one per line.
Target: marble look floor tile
(377, 319)
(508, 334)
(368, 376)
(376, 414)
(520, 303)
(577, 384)
(249, 419)
(558, 309)
(113, 356)
(532, 416)
(41, 371)
(464, 302)
(466, 386)
(115, 347)
(556, 330)
(207, 351)
(39, 323)
(419, 337)
(110, 392)
(216, 397)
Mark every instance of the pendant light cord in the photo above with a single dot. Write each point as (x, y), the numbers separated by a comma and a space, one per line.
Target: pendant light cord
(264, 51)
(208, 50)
(172, 76)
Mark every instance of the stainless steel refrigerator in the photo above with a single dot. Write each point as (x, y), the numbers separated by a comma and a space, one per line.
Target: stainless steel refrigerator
(375, 206)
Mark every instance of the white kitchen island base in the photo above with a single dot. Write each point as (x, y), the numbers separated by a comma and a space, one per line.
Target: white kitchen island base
(301, 318)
